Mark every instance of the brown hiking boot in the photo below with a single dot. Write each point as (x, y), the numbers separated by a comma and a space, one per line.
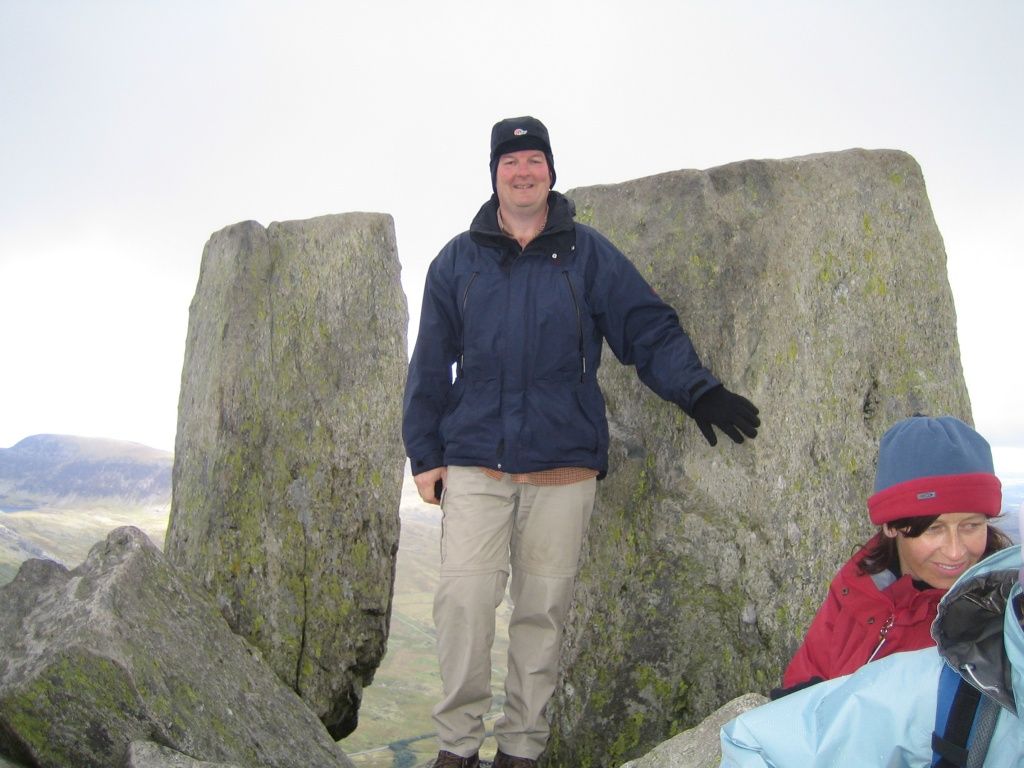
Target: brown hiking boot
(501, 760)
(446, 759)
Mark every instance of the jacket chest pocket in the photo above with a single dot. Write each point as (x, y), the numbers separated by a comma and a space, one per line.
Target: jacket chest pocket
(562, 321)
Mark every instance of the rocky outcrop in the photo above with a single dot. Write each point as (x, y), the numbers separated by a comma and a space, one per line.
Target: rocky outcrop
(126, 649)
(146, 754)
(288, 460)
(699, 747)
(816, 286)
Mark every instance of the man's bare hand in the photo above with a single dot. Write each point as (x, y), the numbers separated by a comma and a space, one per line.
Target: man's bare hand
(426, 484)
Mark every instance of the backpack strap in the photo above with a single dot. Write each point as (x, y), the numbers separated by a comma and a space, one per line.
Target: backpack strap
(988, 714)
(956, 743)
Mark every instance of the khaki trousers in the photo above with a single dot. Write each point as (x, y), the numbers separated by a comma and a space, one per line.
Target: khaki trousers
(487, 527)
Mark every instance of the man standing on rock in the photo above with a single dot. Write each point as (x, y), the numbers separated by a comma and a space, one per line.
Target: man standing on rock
(519, 305)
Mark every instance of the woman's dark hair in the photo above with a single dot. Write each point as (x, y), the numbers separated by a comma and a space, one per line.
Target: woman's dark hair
(884, 556)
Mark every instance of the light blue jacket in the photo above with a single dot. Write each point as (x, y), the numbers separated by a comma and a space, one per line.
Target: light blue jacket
(883, 714)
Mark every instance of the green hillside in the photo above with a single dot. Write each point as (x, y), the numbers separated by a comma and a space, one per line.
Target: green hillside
(69, 471)
(60, 494)
(66, 534)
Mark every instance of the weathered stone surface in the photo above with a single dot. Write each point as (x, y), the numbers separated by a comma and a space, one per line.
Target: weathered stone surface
(699, 747)
(146, 754)
(288, 460)
(816, 286)
(125, 648)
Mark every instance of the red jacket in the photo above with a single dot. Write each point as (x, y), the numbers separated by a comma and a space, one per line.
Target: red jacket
(859, 622)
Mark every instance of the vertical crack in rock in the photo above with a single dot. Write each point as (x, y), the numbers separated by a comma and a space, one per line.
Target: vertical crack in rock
(278, 318)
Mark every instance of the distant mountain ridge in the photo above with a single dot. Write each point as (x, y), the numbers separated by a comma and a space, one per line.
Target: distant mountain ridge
(65, 470)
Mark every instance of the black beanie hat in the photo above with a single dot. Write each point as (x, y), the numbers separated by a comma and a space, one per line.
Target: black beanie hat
(515, 133)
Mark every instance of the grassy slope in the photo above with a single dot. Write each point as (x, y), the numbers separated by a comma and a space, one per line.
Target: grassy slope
(63, 493)
(67, 535)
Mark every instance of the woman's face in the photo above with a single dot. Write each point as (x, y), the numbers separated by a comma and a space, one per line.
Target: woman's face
(947, 548)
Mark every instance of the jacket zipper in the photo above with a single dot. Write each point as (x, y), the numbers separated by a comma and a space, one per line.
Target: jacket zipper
(969, 670)
(881, 637)
(462, 341)
(579, 326)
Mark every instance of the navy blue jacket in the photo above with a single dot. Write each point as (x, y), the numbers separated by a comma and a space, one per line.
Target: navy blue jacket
(522, 330)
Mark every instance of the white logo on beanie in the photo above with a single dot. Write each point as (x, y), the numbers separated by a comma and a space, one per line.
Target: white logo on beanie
(519, 132)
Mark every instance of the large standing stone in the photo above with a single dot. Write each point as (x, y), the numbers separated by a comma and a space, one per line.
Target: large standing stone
(288, 460)
(816, 286)
(124, 648)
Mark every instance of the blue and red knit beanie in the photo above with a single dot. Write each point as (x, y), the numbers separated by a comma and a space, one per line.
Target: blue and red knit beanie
(932, 466)
(515, 133)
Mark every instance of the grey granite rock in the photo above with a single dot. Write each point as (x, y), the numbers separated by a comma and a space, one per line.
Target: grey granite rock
(817, 287)
(700, 746)
(146, 754)
(125, 648)
(288, 461)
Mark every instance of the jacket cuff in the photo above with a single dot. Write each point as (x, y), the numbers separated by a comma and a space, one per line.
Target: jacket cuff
(704, 384)
(426, 463)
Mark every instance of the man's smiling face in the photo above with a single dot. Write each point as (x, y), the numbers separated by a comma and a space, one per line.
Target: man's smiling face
(523, 181)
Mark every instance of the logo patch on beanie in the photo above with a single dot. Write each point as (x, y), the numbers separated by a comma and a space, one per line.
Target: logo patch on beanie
(926, 495)
(519, 132)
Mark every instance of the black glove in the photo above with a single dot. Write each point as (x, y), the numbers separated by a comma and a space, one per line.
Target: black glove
(778, 693)
(730, 412)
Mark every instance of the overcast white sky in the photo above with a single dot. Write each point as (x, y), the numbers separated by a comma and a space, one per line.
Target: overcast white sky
(131, 131)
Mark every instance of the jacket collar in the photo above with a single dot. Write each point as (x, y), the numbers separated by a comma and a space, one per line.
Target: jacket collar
(561, 211)
(977, 629)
